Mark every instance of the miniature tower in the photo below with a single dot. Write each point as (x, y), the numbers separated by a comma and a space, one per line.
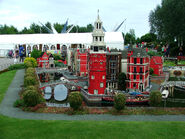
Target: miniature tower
(97, 60)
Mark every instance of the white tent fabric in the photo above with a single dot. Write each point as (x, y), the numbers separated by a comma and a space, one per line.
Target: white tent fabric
(112, 39)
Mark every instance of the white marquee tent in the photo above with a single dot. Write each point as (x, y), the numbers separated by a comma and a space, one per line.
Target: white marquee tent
(112, 39)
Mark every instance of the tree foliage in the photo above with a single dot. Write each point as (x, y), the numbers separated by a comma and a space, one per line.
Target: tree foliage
(75, 100)
(155, 98)
(167, 20)
(119, 101)
(149, 37)
(130, 37)
(39, 28)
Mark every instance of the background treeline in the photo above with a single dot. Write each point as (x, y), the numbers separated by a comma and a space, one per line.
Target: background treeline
(37, 28)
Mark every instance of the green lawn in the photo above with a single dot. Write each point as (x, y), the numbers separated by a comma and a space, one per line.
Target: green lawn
(5, 80)
(11, 128)
(15, 128)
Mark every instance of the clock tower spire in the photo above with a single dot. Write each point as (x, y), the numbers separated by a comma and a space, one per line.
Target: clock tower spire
(97, 60)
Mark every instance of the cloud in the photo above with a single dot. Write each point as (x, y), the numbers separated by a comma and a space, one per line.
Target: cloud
(22, 13)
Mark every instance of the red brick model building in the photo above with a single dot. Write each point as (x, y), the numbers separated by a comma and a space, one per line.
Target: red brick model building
(46, 61)
(82, 57)
(43, 62)
(156, 62)
(137, 69)
(97, 61)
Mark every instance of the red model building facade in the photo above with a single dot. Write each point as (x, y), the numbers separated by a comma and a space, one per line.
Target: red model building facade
(97, 61)
(156, 63)
(82, 55)
(138, 69)
(43, 62)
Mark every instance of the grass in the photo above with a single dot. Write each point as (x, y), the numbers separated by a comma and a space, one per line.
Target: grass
(5, 80)
(17, 129)
(12, 128)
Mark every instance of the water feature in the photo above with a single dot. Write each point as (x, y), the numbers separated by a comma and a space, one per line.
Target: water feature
(60, 92)
(57, 92)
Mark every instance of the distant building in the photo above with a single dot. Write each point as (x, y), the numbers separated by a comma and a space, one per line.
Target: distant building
(137, 69)
(113, 69)
(82, 59)
(156, 62)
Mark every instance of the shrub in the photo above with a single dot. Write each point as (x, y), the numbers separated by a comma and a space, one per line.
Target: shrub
(29, 80)
(57, 57)
(32, 98)
(30, 62)
(155, 98)
(31, 87)
(75, 100)
(151, 71)
(18, 103)
(16, 66)
(119, 101)
(30, 70)
(36, 53)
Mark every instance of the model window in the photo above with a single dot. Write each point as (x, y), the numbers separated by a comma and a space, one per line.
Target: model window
(141, 70)
(103, 77)
(141, 60)
(99, 26)
(134, 85)
(92, 77)
(95, 92)
(134, 77)
(141, 77)
(135, 60)
(135, 70)
(95, 48)
(101, 85)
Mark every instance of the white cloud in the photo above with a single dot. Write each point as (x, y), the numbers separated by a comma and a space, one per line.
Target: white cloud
(22, 13)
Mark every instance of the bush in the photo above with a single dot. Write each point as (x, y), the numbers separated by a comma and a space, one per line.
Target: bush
(75, 100)
(151, 71)
(18, 103)
(36, 53)
(29, 80)
(30, 62)
(32, 98)
(119, 101)
(57, 57)
(30, 70)
(155, 98)
(16, 66)
(31, 87)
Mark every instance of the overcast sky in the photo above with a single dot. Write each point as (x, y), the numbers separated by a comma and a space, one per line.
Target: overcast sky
(21, 13)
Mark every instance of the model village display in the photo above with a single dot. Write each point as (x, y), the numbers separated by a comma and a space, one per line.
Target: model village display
(94, 71)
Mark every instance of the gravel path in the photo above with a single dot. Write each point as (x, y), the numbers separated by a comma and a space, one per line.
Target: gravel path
(7, 109)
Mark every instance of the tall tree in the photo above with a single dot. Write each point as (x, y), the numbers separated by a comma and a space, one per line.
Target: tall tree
(168, 21)
(4, 29)
(130, 38)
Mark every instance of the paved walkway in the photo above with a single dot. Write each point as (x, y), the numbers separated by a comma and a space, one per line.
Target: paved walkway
(7, 109)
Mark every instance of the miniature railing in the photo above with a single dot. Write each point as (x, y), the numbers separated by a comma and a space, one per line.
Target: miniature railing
(176, 100)
(173, 83)
(50, 83)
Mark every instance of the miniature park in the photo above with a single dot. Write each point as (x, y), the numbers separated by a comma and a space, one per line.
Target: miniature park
(70, 81)
(100, 80)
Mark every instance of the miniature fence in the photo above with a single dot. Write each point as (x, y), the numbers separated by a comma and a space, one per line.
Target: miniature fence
(176, 100)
